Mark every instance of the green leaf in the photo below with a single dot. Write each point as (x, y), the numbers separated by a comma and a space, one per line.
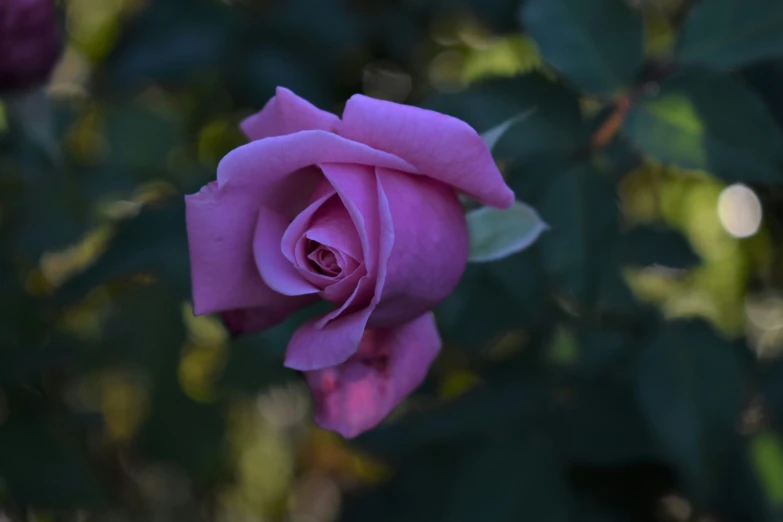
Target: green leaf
(493, 298)
(601, 424)
(691, 389)
(493, 135)
(555, 126)
(597, 45)
(580, 205)
(649, 245)
(495, 233)
(509, 480)
(726, 34)
(506, 401)
(708, 122)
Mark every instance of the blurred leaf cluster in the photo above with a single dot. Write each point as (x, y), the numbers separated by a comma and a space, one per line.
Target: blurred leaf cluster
(627, 367)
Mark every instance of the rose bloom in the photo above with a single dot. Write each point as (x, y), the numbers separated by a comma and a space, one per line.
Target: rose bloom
(361, 212)
(30, 43)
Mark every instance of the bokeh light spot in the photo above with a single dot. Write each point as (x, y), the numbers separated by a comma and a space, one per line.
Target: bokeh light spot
(739, 210)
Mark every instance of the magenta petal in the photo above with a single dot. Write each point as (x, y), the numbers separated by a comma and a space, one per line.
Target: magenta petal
(358, 394)
(320, 344)
(263, 171)
(286, 113)
(332, 338)
(295, 231)
(332, 226)
(224, 274)
(357, 187)
(426, 262)
(276, 271)
(442, 147)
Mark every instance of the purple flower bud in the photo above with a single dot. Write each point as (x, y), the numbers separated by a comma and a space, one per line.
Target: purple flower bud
(30, 43)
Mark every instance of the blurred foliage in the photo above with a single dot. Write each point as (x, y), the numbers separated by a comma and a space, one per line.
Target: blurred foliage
(626, 368)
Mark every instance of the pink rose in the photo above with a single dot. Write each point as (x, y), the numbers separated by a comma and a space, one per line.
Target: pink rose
(361, 212)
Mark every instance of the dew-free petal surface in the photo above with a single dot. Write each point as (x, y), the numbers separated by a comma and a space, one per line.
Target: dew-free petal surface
(223, 270)
(439, 146)
(332, 338)
(430, 249)
(357, 395)
(276, 271)
(320, 344)
(286, 113)
(264, 171)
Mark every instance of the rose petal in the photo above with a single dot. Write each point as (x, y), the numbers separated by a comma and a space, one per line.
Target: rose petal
(316, 345)
(276, 271)
(332, 338)
(297, 228)
(430, 250)
(357, 187)
(286, 113)
(223, 271)
(358, 394)
(327, 261)
(269, 172)
(333, 227)
(442, 147)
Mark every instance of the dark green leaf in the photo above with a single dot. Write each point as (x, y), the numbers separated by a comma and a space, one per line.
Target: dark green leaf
(580, 206)
(554, 125)
(712, 123)
(650, 245)
(498, 404)
(599, 423)
(419, 492)
(492, 299)
(691, 389)
(726, 34)
(509, 480)
(597, 45)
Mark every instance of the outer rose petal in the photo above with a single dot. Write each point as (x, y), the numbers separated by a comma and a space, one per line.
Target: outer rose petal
(358, 394)
(442, 147)
(286, 113)
(261, 171)
(224, 275)
(430, 249)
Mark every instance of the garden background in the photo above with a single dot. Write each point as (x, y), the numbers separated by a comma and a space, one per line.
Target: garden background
(627, 367)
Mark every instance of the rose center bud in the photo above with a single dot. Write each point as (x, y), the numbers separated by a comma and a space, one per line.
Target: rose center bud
(324, 260)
